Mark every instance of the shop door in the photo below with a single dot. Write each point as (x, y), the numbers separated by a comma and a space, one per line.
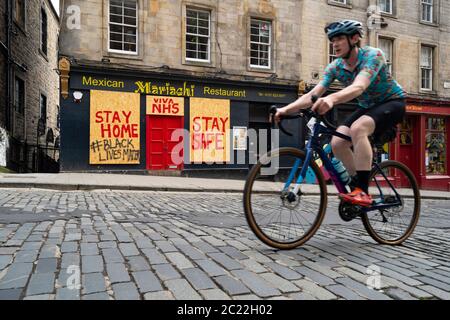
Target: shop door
(408, 153)
(259, 121)
(259, 148)
(160, 146)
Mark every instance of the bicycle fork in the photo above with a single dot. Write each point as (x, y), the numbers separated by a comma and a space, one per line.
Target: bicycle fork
(291, 195)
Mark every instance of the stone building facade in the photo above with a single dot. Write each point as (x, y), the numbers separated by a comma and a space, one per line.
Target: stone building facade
(415, 36)
(402, 24)
(33, 79)
(161, 42)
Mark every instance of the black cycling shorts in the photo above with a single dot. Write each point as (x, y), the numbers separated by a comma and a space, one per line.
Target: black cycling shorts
(385, 115)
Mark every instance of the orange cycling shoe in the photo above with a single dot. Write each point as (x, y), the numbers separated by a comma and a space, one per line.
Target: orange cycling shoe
(357, 197)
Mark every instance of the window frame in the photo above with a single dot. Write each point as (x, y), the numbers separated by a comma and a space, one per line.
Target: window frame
(186, 34)
(21, 24)
(331, 53)
(124, 52)
(431, 69)
(431, 5)
(270, 45)
(436, 131)
(391, 53)
(43, 13)
(42, 94)
(343, 4)
(58, 117)
(16, 107)
(391, 5)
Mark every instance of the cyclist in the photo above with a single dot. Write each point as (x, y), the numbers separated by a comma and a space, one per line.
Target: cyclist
(364, 72)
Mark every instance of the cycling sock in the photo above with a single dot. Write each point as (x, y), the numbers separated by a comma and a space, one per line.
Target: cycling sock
(363, 180)
(353, 182)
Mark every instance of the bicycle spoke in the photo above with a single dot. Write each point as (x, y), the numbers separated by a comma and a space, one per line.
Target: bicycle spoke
(300, 223)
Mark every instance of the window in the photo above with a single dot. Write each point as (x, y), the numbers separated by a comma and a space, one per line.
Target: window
(19, 12)
(19, 95)
(383, 153)
(43, 31)
(426, 66)
(123, 30)
(43, 109)
(341, 3)
(331, 53)
(58, 118)
(386, 46)
(406, 132)
(385, 6)
(427, 10)
(436, 146)
(197, 35)
(260, 43)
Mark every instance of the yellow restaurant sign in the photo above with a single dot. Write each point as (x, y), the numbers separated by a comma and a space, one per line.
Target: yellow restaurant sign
(185, 89)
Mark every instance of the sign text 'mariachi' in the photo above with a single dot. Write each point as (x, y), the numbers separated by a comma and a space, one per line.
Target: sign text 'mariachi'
(167, 89)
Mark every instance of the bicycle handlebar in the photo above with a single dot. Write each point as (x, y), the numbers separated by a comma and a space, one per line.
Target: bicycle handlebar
(305, 112)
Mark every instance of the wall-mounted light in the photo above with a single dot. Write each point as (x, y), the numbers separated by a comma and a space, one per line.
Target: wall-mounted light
(77, 96)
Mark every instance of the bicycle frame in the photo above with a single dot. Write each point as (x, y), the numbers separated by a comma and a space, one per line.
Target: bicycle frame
(384, 206)
(314, 145)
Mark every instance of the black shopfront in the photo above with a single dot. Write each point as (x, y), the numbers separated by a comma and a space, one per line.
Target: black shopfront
(131, 121)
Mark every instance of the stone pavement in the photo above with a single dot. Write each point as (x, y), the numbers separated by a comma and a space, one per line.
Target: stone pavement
(153, 245)
(93, 181)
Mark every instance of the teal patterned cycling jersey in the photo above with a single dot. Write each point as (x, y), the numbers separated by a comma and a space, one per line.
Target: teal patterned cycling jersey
(371, 64)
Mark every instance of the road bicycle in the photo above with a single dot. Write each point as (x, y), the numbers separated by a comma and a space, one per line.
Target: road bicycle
(284, 211)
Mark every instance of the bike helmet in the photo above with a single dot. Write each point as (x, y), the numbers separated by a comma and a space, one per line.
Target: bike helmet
(344, 27)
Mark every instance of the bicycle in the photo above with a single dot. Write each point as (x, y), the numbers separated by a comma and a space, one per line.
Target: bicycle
(271, 202)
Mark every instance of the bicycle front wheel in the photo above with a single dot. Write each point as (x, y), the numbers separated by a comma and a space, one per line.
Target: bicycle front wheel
(277, 216)
(395, 224)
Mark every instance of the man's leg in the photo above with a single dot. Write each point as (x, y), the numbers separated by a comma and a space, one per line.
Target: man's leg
(341, 149)
(360, 131)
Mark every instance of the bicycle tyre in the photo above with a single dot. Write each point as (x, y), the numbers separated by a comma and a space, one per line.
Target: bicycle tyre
(377, 235)
(248, 204)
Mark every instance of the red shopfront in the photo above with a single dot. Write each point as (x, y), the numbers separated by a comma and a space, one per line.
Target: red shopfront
(421, 143)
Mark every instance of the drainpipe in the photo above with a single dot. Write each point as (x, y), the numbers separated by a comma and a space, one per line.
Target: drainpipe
(371, 28)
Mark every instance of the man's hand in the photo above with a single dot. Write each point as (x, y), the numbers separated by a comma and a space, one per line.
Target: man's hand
(323, 105)
(280, 112)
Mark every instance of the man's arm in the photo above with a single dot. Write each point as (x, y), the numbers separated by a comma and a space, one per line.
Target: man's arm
(305, 100)
(323, 105)
(301, 103)
(353, 91)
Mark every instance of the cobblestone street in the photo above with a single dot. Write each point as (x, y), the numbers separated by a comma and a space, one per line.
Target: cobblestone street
(162, 245)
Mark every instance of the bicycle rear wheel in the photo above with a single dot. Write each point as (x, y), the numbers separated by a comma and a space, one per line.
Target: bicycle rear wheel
(395, 224)
(279, 221)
